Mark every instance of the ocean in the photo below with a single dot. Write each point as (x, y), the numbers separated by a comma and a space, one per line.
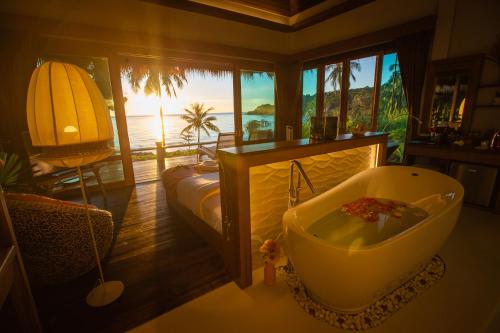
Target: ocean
(144, 131)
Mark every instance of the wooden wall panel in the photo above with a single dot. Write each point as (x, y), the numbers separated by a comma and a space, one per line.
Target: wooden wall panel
(17, 60)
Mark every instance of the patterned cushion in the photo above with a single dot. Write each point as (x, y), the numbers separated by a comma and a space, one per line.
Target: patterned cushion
(54, 237)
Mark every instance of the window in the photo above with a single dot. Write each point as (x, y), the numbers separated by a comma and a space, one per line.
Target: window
(392, 115)
(374, 97)
(257, 105)
(182, 96)
(360, 95)
(309, 87)
(333, 87)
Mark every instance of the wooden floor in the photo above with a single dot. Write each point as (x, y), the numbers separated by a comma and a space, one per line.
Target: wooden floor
(162, 263)
(149, 170)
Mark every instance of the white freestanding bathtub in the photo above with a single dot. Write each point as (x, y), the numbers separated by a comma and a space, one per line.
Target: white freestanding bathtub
(352, 277)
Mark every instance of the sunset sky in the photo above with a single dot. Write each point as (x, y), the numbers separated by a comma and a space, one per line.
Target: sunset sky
(212, 91)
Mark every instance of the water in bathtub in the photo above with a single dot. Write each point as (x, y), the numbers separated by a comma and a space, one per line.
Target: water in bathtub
(369, 220)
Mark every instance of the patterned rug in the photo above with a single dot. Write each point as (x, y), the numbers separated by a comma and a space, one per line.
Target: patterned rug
(375, 314)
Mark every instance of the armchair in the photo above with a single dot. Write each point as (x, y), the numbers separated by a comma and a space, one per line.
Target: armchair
(54, 239)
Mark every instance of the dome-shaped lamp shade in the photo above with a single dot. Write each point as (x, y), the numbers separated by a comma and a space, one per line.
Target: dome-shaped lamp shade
(67, 114)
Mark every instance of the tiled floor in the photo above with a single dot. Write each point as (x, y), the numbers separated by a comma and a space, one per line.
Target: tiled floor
(467, 299)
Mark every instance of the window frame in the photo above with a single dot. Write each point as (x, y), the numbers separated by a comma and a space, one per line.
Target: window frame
(320, 64)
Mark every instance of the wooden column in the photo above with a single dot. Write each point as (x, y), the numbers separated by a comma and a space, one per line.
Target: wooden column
(344, 96)
(121, 118)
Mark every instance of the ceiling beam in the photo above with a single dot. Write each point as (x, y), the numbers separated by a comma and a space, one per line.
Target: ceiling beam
(226, 14)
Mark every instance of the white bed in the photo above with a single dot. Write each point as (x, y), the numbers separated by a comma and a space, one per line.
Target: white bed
(201, 195)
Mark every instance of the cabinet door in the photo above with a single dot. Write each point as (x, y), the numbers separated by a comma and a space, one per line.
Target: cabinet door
(478, 182)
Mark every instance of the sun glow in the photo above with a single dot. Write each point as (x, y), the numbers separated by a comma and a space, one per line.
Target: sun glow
(140, 104)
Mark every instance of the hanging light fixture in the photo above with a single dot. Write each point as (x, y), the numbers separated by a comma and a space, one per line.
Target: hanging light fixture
(69, 122)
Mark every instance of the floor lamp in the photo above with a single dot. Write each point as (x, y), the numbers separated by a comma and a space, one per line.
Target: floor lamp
(69, 122)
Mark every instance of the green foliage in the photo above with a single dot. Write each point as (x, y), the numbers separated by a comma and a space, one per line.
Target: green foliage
(359, 107)
(263, 110)
(11, 169)
(308, 111)
(393, 112)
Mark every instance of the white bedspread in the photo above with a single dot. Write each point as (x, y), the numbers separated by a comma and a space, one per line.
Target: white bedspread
(201, 195)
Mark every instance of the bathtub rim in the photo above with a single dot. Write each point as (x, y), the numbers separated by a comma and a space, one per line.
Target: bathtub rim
(290, 216)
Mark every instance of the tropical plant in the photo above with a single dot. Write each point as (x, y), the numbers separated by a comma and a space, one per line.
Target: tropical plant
(335, 76)
(198, 119)
(11, 168)
(170, 77)
(393, 111)
(187, 137)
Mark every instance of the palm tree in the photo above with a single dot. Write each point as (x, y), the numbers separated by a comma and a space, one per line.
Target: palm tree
(156, 76)
(198, 119)
(396, 84)
(335, 75)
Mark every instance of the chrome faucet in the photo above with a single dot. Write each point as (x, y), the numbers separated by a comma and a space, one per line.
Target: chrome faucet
(294, 191)
(495, 140)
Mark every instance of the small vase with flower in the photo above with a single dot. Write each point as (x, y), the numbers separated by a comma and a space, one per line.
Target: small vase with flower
(271, 252)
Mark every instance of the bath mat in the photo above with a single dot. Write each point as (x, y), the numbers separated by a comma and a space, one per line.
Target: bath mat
(375, 314)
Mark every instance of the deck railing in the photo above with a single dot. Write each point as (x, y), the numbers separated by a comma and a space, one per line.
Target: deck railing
(181, 145)
(161, 150)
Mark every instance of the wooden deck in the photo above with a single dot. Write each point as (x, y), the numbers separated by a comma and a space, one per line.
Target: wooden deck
(162, 263)
(146, 171)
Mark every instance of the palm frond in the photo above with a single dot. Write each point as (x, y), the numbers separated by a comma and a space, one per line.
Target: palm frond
(210, 119)
(212, 127)
(187, 118)
(187, 130)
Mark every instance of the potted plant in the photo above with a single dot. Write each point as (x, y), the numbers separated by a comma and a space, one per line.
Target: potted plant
(11, 169)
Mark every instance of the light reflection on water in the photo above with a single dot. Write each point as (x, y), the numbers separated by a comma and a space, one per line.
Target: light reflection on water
(144, 131)
(341, 229)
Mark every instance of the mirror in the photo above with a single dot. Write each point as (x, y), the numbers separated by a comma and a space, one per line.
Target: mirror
(448, 101)
(451, 93)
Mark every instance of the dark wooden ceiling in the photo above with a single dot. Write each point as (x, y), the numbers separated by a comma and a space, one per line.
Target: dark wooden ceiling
(282, 7)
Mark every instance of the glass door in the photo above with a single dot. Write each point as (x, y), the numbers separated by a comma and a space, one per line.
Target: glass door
(172, 108)
(258, 110)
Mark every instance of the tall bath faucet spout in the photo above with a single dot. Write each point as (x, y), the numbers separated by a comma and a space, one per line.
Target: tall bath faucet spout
(294, 191)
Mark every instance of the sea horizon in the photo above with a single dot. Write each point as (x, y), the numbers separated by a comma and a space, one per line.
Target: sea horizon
(145, 130)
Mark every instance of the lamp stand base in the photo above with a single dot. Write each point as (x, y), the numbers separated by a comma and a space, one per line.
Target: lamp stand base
(105, 293)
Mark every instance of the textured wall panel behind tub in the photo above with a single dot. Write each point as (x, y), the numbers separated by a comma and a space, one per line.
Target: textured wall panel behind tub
(269, 187)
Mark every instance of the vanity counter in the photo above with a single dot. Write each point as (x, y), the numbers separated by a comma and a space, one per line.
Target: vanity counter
(455, 153)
